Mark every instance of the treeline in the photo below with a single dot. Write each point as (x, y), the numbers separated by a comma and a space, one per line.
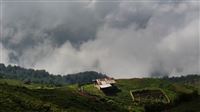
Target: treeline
(189, 79)
(42, 76)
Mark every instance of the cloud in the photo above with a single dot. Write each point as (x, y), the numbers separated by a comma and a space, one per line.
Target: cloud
(4, 55)
(180, 50)
(122, 39)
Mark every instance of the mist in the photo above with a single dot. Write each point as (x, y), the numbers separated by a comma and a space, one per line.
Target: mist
(122, 39)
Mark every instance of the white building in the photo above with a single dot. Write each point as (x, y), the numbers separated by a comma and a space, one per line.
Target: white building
(104, 83)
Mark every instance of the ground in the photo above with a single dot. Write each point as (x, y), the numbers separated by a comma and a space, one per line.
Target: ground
(17, 96)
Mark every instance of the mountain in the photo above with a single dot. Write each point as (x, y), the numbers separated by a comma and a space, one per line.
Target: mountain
(42, 76)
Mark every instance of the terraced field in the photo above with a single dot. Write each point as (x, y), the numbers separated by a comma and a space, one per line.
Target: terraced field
(149, 95)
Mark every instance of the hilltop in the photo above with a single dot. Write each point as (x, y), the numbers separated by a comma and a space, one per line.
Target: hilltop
(43, 77)
(175, 94)
(18, 97)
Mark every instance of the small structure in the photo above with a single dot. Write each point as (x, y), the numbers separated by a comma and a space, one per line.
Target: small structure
(104, 83)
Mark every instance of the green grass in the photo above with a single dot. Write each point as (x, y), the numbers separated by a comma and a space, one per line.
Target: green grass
(123, 98)
(189, 106)
(22, 99)
(90, 88)
(19, 97)
(30, 86)
(11, 82)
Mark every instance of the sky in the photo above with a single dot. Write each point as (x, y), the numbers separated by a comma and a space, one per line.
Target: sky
(120, 38)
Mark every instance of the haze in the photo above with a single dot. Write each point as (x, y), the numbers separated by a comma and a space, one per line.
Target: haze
(120, 38)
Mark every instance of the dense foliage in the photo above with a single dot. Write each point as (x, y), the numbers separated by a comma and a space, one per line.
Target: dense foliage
(42, 76)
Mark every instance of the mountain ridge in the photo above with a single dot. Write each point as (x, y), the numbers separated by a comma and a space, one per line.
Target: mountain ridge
(42, 76)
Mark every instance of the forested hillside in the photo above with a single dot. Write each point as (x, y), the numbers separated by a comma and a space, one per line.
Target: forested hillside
(190, 78)
(42, 76)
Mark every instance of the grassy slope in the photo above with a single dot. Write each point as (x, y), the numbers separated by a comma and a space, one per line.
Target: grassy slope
(189, 106)
(19, 99)
(67, 98)
(30, 86)
(125, 85)
(123, 97)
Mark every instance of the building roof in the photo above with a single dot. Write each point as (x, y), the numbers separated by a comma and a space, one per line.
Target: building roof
(105, 85)
(105, 82)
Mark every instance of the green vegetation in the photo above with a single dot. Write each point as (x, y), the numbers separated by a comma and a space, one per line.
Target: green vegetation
(178, 94)
(21, 99)
(149, 95)
(89, 88)
(43, 77)
(30, 86)
(191, 80)
(23, 93)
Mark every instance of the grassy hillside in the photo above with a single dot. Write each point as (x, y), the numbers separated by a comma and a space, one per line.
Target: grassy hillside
(175, 92)
(19, 97)
(65, 99)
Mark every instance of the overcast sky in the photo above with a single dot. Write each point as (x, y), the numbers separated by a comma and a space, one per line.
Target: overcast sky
(122, 39)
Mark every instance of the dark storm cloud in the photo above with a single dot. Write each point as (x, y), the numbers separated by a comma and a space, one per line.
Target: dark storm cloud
(28, 25)
(125, 39)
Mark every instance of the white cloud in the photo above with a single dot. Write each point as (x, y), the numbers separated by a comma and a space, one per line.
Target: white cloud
(121, 39)
(4, 55)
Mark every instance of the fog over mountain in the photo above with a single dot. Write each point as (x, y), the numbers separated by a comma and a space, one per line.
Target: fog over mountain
(123, 39)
